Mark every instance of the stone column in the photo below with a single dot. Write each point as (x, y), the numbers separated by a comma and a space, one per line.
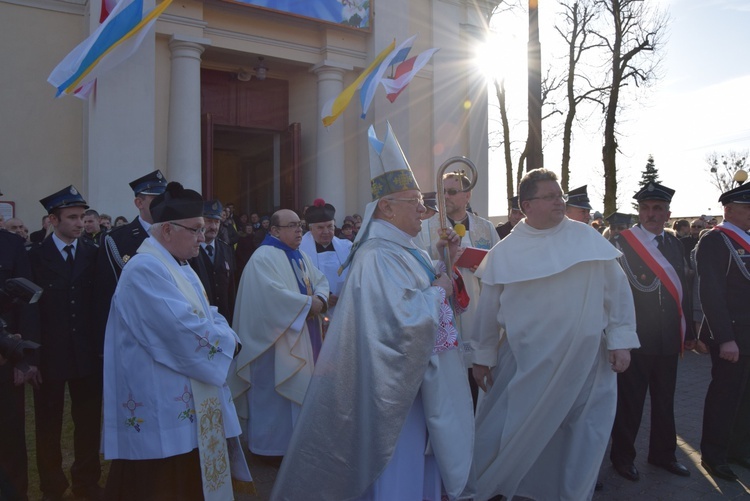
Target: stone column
(330, 177)
(184, 132)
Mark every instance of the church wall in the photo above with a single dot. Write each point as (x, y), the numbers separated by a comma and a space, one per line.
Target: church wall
(40, 136)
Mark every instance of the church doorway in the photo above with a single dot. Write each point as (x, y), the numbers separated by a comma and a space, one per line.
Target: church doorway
(250, 154)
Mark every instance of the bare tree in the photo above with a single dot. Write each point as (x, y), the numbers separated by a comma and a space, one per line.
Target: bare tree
(578, 18)
(723, 168)
(633, 36)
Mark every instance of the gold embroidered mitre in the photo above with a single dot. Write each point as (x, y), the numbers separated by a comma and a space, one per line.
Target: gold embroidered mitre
(389, 169)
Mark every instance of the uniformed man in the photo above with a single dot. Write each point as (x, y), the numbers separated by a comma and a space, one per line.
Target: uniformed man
(578, 206)
(121, 244)
(65, 265)
(14, 263)
(618, 222)
(326, 252)
(514, 216)
(723, 257)
(215, 263)
(654, 262)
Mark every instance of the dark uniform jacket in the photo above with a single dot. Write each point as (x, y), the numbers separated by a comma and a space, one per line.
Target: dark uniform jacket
(21, 319)
(70, 348)
(656, 313)
(503, 230)
(218, 278)
(117, 247)
(724, 271)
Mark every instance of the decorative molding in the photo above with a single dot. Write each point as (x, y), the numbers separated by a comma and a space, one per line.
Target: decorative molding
(284, 44)
(65, 6)
(166, 17)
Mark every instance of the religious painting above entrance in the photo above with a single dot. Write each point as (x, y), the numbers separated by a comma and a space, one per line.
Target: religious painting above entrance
(351, 13)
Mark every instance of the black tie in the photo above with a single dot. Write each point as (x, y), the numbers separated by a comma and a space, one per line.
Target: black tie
(70, 259)
(660, 242)
(210, 251)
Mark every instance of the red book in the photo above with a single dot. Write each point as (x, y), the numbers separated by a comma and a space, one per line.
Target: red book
(471, 257)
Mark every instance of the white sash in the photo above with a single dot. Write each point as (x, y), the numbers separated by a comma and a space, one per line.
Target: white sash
(219, 461)
(735, 233)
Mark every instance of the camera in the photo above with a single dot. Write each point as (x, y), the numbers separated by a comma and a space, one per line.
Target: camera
(12, 348)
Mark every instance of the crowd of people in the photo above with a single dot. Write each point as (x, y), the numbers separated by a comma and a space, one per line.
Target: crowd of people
(355, 353)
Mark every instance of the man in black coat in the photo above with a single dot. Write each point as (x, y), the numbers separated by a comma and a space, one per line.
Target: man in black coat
(64, 266)
(723, 258)
(120, 244)
(215, 263)
(654, 262)
(23, 319)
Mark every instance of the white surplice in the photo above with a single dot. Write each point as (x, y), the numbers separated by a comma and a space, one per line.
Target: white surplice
(149, 361)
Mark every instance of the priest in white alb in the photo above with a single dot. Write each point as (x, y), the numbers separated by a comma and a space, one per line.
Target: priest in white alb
(555, 324)
(278, 317)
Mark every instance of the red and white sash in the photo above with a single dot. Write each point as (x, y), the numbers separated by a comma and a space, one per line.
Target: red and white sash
(642, 244)
(736, 234)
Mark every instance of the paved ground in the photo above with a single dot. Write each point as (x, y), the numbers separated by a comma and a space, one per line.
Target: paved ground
(655, 484)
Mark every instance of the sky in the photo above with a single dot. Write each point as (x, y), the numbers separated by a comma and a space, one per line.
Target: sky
(700, 105)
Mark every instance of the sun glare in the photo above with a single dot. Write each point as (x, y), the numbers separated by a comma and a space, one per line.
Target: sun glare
(500, 56)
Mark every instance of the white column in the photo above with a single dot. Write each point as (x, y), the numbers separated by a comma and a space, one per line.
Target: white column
(184, 132)
(330, 178)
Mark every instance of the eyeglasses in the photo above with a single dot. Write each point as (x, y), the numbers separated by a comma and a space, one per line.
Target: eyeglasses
(551, 198)
(411, 201)
(452, 191)
(292, 226)
(697, 227)
(201, 230)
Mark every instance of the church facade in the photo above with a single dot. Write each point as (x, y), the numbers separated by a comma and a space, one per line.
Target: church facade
(226, 97)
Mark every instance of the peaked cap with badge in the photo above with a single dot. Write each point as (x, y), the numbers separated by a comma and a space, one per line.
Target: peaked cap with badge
(579, 197)
(619, 219)
(738, 195)
(654, 191)
(153, 183)
(67, 197)
(212, 209)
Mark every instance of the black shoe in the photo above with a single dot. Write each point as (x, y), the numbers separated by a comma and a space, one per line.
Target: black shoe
(673, 467)
(744, 462)
(627, 471)
(722, 471)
